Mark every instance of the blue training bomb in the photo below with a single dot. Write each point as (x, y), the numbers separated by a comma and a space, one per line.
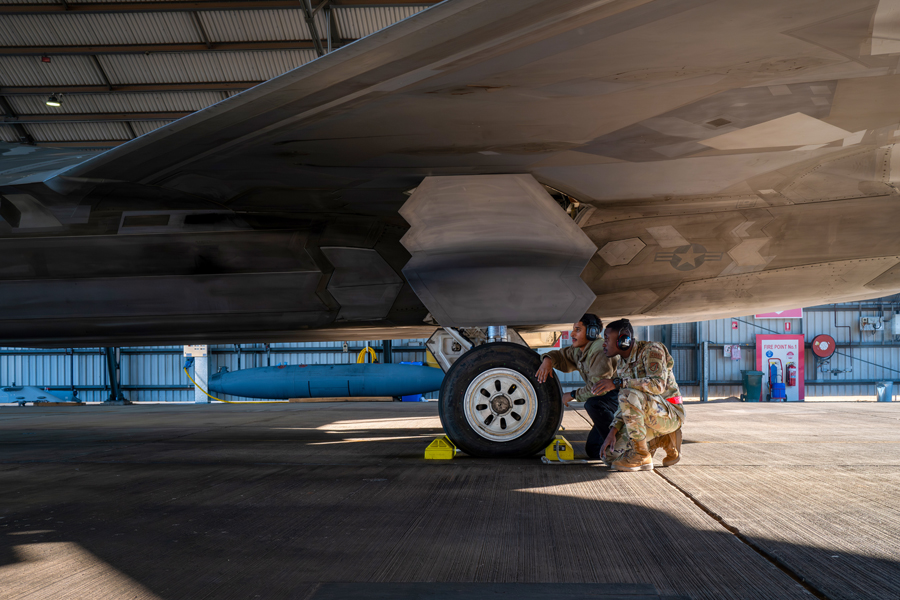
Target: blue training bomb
(328, 381)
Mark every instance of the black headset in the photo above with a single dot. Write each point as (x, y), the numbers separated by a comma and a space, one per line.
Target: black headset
(626, 336)
(593, 326)
(626, 333)
(624, 342)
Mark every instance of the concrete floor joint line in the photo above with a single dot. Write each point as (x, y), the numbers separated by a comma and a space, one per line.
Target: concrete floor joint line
(774, 561)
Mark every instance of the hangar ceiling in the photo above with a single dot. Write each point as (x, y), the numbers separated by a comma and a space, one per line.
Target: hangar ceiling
(123, 68)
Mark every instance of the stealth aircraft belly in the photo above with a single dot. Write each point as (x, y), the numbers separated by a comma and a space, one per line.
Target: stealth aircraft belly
(697, 157)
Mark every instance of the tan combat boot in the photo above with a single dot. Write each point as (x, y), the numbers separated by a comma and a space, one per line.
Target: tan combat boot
(639, 459)
(671, 443)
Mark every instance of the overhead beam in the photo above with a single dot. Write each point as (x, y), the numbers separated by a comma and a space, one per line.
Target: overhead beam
(201, 31)
(180, 6)
(40, 90)
(8, 112)
(309, 15)
(334, 32)
(94, 117)
(101, 71)
(150, 48)
(91, 145)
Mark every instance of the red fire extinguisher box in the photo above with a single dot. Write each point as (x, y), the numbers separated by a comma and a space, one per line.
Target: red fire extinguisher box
(790, 349)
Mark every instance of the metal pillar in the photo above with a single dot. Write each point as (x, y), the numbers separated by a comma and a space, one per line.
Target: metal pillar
(112, 370)
(71, 353)
(309, 14)
(201, 376)
(696, 340)
(387, 352)
(704, 383)
(328, 33)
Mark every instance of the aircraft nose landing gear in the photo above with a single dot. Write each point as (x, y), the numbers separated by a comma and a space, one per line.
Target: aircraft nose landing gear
(492, 405)
(471, 274)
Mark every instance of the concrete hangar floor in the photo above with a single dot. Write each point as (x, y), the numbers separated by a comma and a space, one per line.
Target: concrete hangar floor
(770, 501)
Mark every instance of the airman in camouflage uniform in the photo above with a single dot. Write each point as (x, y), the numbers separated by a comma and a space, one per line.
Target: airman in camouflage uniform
(650, 407)
(590, 361)
(586, 355)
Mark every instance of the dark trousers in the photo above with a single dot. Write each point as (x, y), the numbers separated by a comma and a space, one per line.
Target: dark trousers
(601, 409)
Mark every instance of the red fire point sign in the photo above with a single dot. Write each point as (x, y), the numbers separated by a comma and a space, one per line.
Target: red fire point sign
(781, 350)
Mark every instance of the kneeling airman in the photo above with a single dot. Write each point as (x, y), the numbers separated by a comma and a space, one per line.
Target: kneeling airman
(650, 412)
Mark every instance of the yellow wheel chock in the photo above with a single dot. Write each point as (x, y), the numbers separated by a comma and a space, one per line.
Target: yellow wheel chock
(560, 449)
(440, 449)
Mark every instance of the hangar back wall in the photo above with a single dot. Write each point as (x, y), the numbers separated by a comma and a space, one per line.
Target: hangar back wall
(153, 374)
(862, 358)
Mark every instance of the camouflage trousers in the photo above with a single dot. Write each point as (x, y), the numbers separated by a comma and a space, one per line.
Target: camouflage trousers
(646, 416)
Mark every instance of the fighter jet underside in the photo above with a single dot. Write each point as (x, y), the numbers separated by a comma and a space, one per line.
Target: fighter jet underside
(485, 162)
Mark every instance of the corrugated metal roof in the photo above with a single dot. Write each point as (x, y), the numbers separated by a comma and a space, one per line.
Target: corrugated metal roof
(142, 127)
(248, 26)
(78, 132)
(166, 27)
(357, 22)
(114, 1)
(8, 134)
(113, 103)
(188, 67)
(62, 70)
(84, 29)
(81, 29)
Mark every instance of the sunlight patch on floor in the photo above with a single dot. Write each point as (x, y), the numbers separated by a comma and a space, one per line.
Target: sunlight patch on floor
(373, 439)
(368, 424)
(66, 570)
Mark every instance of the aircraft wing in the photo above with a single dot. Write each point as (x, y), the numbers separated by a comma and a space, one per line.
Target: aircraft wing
(426, 86)
(722, 157)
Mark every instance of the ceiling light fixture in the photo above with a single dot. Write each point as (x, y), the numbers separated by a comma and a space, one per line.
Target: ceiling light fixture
(54, 100)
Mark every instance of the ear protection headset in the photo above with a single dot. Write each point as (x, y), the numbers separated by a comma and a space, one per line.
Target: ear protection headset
(593, 327)
(626, 337)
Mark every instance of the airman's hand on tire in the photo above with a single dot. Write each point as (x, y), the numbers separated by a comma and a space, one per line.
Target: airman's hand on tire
(545, 371)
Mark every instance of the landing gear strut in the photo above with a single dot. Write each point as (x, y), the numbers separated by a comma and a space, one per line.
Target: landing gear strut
(491, 405)
(469, 273)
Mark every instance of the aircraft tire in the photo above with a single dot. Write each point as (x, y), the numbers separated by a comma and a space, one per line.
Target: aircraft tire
(491, 405)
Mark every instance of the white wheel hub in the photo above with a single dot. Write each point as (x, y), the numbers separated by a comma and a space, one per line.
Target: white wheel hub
(500, 404)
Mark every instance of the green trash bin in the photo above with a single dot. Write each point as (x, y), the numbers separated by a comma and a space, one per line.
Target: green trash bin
(752, 386)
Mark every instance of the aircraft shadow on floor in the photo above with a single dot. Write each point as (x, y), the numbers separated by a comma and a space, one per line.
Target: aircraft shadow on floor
(244, 528)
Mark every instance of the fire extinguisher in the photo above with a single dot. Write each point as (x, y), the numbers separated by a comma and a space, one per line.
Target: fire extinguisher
(791, 374)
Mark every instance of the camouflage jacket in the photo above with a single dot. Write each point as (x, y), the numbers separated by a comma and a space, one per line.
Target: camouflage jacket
(648, 369)
(591, 362)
